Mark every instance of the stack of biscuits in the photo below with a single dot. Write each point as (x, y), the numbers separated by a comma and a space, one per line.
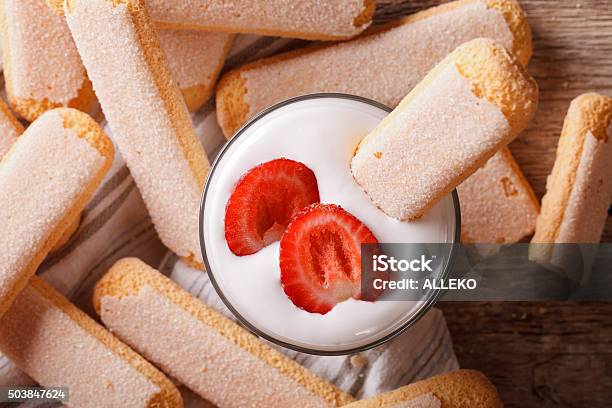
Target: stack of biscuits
(455, 75)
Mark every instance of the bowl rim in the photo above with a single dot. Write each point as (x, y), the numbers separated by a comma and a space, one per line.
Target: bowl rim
(427, 305)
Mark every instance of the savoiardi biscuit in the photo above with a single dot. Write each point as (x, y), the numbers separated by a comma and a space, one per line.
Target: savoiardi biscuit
(382, 65)
(57, 344)
(195, 59)
(146, 113)
(307, 19)
(579, 188)
(204, 350)
(42, 67)
(46, 180)
(469, 106)
(498, 206)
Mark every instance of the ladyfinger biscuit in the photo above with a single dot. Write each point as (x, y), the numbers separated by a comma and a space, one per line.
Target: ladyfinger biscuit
(579, 189)
(497, 203)
(383, 65)
(46, 180)
(195, 59)
(10, 129)
(456, 389)
(42, 67)
(146, 113)
(469, 106)
(307, 19)
(202, 349)
(55, 343)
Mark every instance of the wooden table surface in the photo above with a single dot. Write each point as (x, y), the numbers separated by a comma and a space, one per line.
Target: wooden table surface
(544, 354)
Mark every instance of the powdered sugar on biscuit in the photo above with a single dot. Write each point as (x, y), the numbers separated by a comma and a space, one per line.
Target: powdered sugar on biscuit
(383, 67)
(497, 204)
(194, 57)
(46, 172)
(45, 342)
(222, 373)
(584, 217)
(305, 18)
(158, 144)
(43, 62)
(420, 150)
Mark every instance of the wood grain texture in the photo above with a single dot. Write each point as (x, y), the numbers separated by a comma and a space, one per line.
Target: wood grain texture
(548, 354)
(544, 354)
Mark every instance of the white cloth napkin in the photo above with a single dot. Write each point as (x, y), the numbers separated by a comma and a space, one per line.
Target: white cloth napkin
(115, 224)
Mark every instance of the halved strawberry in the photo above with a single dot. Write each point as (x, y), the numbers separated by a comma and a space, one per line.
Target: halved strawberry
(320, 257)
(264, 201)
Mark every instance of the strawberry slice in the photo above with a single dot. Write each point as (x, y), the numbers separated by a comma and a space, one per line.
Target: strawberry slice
(320, 257)
(264, 201)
